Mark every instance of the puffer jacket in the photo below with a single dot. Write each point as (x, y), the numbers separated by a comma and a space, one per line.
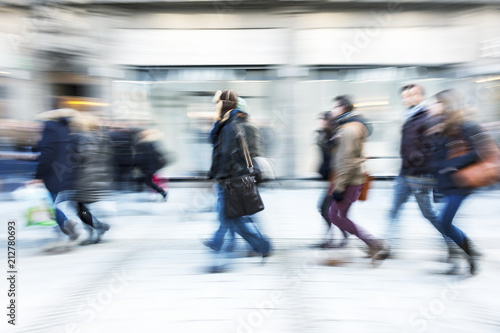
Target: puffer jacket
(348, 157)
(91, 161)
(228, 159)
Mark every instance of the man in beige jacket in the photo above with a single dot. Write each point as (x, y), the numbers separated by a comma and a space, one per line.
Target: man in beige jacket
(349, 177)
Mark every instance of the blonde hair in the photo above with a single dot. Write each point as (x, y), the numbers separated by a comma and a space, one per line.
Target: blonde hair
(150, 135)
(84, 123)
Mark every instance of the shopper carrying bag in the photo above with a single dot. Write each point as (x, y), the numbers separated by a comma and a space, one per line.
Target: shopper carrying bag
(242, 195)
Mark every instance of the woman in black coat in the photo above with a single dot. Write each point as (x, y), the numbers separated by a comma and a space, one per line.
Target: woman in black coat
(228, 161)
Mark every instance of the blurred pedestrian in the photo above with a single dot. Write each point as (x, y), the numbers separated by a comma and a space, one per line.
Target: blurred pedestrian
(352, 133)
(417, 175)
(253, 138)
(90, 177)
(228, 161)
(149, 159)
(53, 164)
(122, 142)
(327, 140)
(459, 135)
(326, 143)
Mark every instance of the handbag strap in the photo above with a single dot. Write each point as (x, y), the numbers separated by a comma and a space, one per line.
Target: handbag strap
(246, 153)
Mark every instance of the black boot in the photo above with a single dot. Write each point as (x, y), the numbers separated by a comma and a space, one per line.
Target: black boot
(473, 255)
(454, 256)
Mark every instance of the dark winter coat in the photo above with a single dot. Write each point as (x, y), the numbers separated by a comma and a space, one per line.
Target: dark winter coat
(327, 144)
(91, 160)
(418, 146)
(228, 159)
(53, 164)
(146, 157)
(122, 144)
(475, 137)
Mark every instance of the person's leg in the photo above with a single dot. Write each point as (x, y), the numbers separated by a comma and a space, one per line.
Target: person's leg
(148, 180)
(445, 225)
(402, 192)
(73, 225)
(251, 235)
(424, 198)
(453, 203)
(60, 217)
(324, 204)
(218, 257)
(97, 214)
(88, 224)
(422, 189)
(339, 211)
(218, 238)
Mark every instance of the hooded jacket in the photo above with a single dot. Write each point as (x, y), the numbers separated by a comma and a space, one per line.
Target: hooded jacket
(348, 158)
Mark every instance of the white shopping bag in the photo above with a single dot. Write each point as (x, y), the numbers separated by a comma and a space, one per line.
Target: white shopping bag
(39, 209)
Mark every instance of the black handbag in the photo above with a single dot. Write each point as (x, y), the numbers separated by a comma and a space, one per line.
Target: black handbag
(241, 193)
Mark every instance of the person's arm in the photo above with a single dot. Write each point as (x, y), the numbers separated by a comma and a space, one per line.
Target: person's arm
(47, 148)
(227, 140)
(254, 140)
(479, 141)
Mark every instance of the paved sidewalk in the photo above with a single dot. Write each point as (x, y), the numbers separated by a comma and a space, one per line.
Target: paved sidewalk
(149, 274)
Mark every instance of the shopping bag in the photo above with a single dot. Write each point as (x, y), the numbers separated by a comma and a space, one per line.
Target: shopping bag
(38, 208)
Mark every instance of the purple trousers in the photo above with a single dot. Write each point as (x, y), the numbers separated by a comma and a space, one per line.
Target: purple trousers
(338, 215)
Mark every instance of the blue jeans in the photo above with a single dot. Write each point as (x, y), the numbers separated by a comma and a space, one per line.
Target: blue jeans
(421, 187)
(241, 225)
(446, 227)
(219, 238)
(60, 217)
